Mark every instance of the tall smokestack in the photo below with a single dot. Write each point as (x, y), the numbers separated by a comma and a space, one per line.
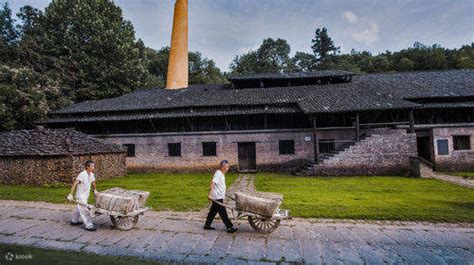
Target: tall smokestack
(178, 61)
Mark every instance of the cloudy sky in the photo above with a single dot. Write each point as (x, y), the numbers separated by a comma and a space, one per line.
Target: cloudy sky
(220, 29)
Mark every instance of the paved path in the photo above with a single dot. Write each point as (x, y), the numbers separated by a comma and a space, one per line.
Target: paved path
(468, 183)
(178, 237)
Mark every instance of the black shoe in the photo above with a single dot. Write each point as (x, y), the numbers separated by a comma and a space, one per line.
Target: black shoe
(75, 223)
(209, 228)
(91, 229)
(231, 230)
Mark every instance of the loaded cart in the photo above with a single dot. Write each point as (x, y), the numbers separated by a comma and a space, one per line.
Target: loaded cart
(123, 206)
(262, 209)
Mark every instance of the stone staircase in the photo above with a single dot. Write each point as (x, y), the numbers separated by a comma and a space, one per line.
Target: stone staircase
(306, 168)
(379, 148)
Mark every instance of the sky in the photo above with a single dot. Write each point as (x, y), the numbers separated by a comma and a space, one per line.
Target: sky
(221, 29)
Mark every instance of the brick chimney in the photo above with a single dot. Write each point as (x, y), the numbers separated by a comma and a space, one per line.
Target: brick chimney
(178, 60)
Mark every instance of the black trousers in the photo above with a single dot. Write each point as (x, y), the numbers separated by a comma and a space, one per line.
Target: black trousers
(216, 208)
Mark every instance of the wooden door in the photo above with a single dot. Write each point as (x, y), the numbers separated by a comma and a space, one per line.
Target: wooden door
(247, 157)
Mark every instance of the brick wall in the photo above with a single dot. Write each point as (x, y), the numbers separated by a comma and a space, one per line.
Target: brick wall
(455, 160)
(152, 151)
(381, 153)
(50, 170)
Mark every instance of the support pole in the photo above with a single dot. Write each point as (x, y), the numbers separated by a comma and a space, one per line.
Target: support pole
(357, 127)
(315, 142)
(411, 118)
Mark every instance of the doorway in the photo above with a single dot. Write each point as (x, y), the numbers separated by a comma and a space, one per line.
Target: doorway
(247, 157)
(423, 146)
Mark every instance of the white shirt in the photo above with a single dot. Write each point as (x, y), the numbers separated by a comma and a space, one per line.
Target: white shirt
(218, 182)
(84, 187)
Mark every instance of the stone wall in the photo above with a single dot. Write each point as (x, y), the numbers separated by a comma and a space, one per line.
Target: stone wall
(382, 153)
(50, 170)
(456, 160)
(152, 151)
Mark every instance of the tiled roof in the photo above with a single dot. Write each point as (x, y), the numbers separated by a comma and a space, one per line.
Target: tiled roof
(49, 142)
(365, 92)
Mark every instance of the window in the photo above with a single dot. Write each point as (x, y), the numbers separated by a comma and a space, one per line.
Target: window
(209, 149)
(130, 150)
(286, 147)
(174, 149)
(442, 147)
(326, 146)
(461, 142)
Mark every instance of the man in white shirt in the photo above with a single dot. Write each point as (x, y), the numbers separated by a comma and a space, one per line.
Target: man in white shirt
(217, 194)
(83, 184)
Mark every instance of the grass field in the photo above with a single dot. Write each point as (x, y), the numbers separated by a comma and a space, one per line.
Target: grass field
(13, 254)
(377, 198)
(169, 191)
(469, 175)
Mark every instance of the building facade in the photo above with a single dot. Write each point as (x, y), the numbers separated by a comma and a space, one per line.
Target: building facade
(323, 123)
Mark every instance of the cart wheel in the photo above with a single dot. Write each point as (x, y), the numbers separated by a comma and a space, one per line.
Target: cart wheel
(263, 225)
(124, 222)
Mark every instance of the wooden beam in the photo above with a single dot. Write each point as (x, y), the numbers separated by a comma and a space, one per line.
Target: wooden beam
(315, 142)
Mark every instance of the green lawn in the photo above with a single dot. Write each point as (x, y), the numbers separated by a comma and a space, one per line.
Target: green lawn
(13, 254)
(377, 198)
(169, 191)
(469, 175)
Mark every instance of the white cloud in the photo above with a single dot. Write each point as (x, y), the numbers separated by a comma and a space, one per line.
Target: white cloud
(350, 17)
(368, 33)
(364, 30)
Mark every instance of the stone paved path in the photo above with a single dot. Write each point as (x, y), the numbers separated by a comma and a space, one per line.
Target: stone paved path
(468, 183)
(178, 237)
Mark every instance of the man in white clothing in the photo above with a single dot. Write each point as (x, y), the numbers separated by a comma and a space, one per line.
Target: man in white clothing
(83, 184)
(217, 194)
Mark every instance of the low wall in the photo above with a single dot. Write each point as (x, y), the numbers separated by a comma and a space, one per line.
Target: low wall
(35, 170)
(106, 165)
(61, 169)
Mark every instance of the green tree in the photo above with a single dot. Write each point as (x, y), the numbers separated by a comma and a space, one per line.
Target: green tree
(406, 65)
(91, 48)
(303, 62)
(8, 35)
(324, 48)
(273, 56)
(26, 98)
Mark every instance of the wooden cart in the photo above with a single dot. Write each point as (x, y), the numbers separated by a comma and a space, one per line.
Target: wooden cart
(260, 223)
(119, 220)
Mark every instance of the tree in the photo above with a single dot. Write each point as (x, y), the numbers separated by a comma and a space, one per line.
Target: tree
(201, 70)
(302, 62)
(90, 48)
(26, 98)
(8, 35)
(324, 49)
(406, 65)
(273, 56)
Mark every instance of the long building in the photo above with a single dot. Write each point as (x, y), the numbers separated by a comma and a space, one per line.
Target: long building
(328, 122)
